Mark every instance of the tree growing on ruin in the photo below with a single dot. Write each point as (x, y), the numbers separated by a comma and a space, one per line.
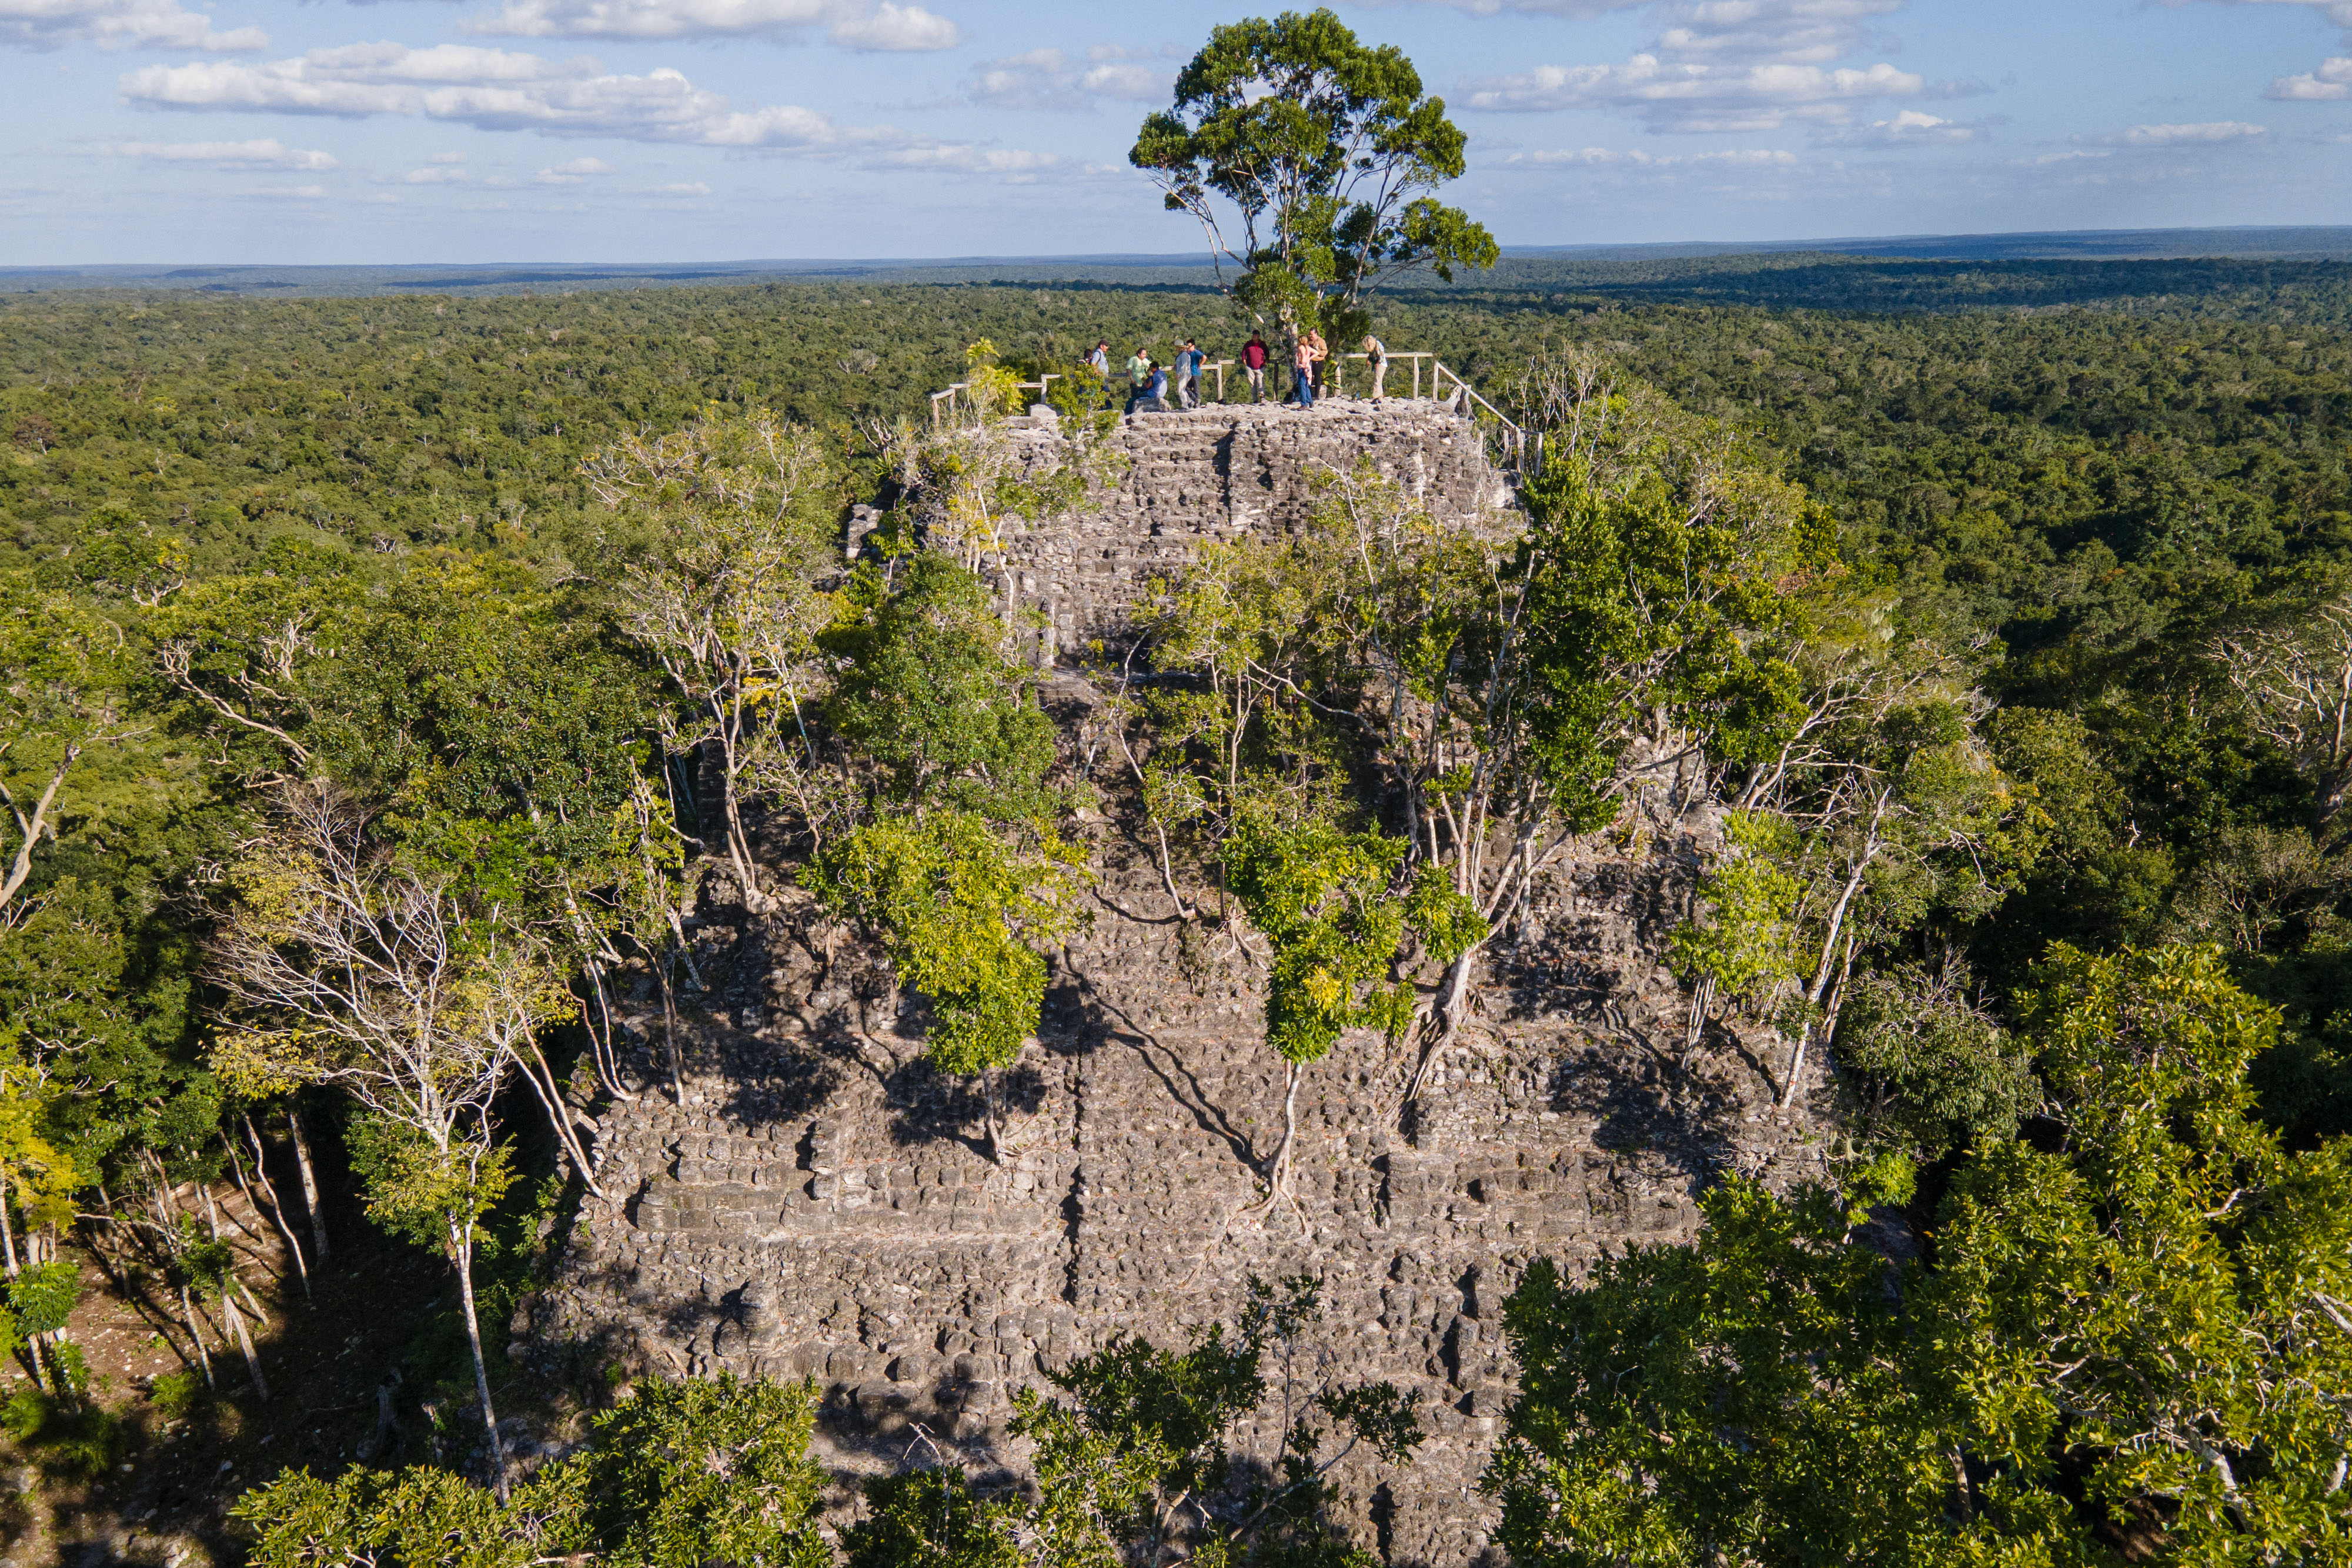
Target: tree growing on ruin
(341, 967)
(676, 1474)
(1146, 1457)
(954, 863)
(1310, 160)
(738, 513)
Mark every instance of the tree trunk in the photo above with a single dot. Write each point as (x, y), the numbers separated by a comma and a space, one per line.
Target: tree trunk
(1277, 1170)
(461, 1251)
(197, 1336)
(310, 1185)
(269, 1190)
(669, 1030)
(1445, 1024)
(600, 1034)
(243, 1341)
(550, 1094)
(1825, 1025)
(987, 1096)
(1695, 1029)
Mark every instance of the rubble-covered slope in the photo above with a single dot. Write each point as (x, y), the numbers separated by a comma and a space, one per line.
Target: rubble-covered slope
(822, 1203)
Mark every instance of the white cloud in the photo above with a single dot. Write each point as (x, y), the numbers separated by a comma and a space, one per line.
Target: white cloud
(2332, 81)
(694, 188)
(1573, 10)
(2337, 11)
(1598, 157)
(1726, 65)
(1051, 79)
(267, 152)
(1911, 127)
(1700, 97)
(573, 172)
(1783, 32)
(1794, 32)
(896, 29)
(118, 25)
(434, 174)
(862, 24)
(2205, 134)
(446, 158)
(504, 89)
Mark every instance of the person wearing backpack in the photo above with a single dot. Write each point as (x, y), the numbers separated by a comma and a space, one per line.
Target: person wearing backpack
(1253, 366)
(1098, 362)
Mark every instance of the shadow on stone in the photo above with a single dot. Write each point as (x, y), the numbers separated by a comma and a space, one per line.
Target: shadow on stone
(929, 1106)
(1087, 1021)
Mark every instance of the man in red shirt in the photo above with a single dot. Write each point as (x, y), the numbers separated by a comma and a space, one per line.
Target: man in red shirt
(1254, 362)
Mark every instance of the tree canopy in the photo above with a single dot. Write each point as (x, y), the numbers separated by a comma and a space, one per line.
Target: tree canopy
(1326, 151)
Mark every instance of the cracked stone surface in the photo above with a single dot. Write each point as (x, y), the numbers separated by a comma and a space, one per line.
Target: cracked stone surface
(820, 1204)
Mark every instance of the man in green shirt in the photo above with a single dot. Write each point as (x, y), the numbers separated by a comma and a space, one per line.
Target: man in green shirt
(1138, 376)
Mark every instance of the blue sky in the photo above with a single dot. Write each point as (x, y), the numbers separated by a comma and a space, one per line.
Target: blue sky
(404, 131)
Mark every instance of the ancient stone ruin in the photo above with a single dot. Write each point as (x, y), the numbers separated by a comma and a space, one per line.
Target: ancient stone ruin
(823, 1205)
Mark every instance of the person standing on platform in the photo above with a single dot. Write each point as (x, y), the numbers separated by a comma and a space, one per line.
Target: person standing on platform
(1188, 375)
(1303, 363)
(1253, 366)
(1098, 362)
(1138, 371)
(1377, 353)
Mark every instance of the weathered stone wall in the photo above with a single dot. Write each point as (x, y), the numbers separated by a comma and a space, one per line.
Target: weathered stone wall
(822, 1203)
(1219, 473)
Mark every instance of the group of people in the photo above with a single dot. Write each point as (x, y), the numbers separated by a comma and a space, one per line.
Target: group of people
(1149, 384)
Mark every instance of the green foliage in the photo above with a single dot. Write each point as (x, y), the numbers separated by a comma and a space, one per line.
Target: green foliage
(176, 1393)
(928, 700)
(963, 914)
(931, 1519)
(1144, 1458)
(1644, 600)
(420, 1517)
(1748, 1398)
(680, 1474)
(1322, 897)
(70, 1435)
(708, 1468)
(42, 1296)
(2132, 1343)
(1328, 152)
(424, 1193)
(1935, 1071)
(1746, 946)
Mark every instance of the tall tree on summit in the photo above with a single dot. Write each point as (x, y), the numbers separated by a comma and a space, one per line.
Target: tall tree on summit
(1325, 152)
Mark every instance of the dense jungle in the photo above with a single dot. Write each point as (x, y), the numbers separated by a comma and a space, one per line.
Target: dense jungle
(380, 675)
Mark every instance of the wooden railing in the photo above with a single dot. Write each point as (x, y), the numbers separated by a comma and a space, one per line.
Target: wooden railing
(955, 388)
(1525, 450)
